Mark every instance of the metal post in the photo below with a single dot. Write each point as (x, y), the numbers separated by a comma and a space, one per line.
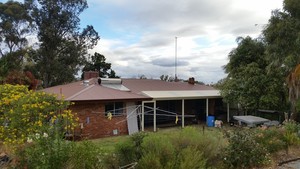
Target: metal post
(175, 58)
(182, 118)
(154, 116)
(143, 116)
(206, 108)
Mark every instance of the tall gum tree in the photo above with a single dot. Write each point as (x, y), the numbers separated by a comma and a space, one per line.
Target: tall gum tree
(63, 47)
(98, 63)
(282, 36)
(15, 26)
(248, 82)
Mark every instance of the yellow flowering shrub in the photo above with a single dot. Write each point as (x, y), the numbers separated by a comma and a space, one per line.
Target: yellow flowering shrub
(24, 113)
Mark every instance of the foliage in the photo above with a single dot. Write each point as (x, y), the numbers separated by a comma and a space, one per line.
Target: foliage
(98, 63)
(24, 113)
(86, 155)
(187, 148)
(291, 135)
(62, 48)
(210, 144)
(291, 127)
(248, 82)
(52, 151)
(137, 140)
(45, 151)
(243, 151)
(142, 77)
(126, 152)
(191, 158)
(130, 150)
(14, 27)
(22, 78)
(282, 37)
(272, 139)
(157, 149)
(167, 78)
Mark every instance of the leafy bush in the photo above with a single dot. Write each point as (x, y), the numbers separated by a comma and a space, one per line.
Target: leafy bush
(86, 155)
(150, 160)
(243, 151)
(192, 159)
(126, 152)
(188, 148)
(24, 113)
(157, 148)
(131, 150)
(291, 127)
(210, 144)
(272, 139)
(137, 140)
(45, 152)
(291, 134)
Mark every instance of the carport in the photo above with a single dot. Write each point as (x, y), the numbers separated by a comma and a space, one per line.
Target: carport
(181, 101)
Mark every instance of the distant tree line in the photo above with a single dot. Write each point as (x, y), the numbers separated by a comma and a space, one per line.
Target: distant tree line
(264, 73)
(43, 37)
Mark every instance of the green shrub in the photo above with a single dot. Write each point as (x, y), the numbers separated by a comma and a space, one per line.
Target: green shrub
(86, 155)
(131, 150)
(111, 161)
(210, 144)
(243, 151)
(291, 136)
(45, 152)
(150, 160)
(126, 152)
(192, 159)
(291, 127)
(187, 148)
(272, 139)
(159, 146)
(137, 140)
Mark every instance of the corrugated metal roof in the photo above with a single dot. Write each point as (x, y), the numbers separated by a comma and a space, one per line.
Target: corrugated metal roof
(140, 89)
(183, 94)
(140, 85)
(78, 91)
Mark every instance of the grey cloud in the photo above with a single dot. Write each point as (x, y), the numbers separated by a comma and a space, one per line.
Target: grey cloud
(154, 41)
(168, 62)
(156, 23)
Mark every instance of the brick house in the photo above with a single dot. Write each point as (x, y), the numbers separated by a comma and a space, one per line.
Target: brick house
(108, 107)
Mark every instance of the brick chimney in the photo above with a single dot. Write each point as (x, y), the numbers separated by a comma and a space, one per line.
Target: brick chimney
(191, 81)
(90, 74)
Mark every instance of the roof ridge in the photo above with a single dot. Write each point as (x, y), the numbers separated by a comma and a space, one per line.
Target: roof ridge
(78, 93)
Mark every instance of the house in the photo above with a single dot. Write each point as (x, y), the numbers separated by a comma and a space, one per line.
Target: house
(109, 107)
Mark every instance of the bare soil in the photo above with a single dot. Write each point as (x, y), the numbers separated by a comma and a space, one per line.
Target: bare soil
(283, 156)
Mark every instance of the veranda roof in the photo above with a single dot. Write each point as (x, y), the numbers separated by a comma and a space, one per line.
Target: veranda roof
(183, 94)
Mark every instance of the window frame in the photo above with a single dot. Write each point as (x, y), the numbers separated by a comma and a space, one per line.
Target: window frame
(115, 108)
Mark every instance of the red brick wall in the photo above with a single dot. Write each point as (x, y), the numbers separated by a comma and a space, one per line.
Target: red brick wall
(90, 74)
(99, 125)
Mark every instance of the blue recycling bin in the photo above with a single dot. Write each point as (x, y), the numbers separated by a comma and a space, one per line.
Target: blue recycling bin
(210, 121)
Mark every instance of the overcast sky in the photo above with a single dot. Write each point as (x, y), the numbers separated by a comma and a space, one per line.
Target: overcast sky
(138, 36)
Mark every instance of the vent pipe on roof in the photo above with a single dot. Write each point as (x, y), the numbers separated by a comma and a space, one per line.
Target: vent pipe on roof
(86, 82)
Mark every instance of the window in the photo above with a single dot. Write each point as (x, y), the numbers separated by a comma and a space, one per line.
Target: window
(115, 108)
